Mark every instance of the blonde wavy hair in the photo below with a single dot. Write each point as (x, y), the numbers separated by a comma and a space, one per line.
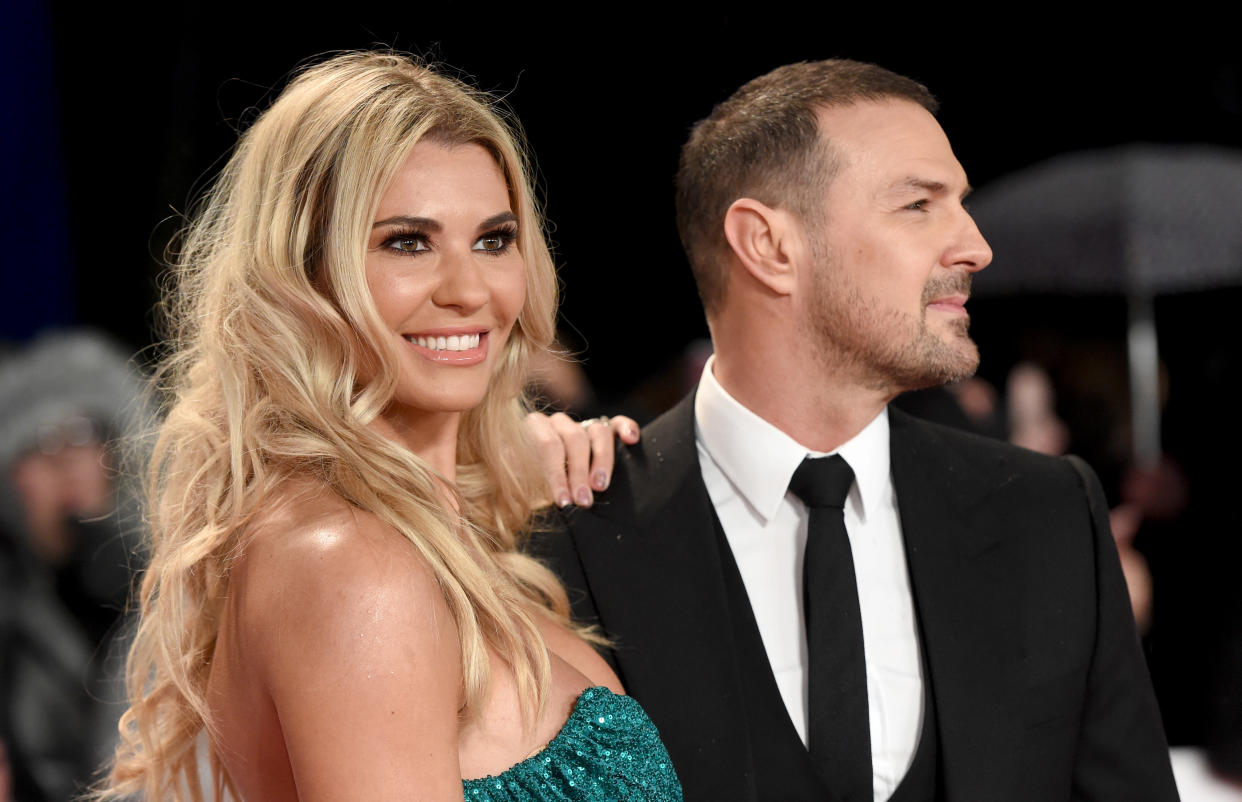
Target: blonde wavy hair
(271, 328)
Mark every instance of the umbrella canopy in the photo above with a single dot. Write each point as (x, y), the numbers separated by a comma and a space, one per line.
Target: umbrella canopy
(1140, 219)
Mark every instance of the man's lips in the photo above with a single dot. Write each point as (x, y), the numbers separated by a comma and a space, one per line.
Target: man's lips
(450, 346)
(949, 303)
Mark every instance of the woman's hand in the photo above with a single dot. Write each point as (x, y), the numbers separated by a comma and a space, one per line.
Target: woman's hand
(578, 457)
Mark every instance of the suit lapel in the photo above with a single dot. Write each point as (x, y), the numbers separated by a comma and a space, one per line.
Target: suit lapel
(966, 603)
(649, 551)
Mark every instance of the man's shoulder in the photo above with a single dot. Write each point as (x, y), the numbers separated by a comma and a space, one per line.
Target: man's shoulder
(648, 474)
(985, 459)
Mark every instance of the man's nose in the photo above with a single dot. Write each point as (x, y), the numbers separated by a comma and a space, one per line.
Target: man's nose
(971, 251)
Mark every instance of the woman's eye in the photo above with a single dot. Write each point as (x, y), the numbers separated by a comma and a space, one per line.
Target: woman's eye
(408, 244)
(495, 241)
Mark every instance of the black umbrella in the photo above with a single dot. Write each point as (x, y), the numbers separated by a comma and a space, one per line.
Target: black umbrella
(1140, 220)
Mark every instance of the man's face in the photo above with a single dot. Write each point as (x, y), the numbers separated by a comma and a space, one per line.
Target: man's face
(894, 250)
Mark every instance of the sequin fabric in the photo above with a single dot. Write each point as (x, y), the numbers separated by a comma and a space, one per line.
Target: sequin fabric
(608, 751)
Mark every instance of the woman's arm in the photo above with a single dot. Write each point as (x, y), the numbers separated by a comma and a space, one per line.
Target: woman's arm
(361, 657)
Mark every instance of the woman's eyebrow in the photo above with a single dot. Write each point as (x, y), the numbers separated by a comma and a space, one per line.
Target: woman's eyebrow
(406, 220)
(499, 219)
(428, 224)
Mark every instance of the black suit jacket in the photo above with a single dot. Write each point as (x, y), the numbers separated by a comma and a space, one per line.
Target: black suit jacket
(1040, 686)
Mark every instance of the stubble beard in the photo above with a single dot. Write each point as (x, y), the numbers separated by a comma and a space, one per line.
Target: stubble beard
(887, 349)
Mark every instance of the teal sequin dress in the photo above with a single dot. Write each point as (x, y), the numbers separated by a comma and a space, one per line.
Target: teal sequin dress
(608, 751)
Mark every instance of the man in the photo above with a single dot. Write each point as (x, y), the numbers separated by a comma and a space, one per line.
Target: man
(821, 210)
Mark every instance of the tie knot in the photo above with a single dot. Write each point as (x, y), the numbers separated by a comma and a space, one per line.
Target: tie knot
(822, 481)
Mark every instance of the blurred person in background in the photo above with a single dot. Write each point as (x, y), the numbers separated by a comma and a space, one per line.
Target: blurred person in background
(67, 528)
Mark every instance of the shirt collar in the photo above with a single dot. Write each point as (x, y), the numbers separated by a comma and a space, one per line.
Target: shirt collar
(759, 459)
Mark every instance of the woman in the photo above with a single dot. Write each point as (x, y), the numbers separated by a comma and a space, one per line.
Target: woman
(334, 591)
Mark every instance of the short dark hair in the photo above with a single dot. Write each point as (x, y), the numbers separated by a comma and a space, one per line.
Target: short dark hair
(764, 143)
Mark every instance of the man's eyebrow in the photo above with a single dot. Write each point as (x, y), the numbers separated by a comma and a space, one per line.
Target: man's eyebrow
(424, 223)
(921, 184)
(927, 185)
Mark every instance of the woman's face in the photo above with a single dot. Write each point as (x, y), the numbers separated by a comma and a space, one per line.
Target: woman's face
(446, 274)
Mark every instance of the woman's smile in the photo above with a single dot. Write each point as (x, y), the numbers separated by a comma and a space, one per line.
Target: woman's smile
(450, 347)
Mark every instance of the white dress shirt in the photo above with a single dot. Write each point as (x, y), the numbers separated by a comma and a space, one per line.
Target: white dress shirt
(747, 464)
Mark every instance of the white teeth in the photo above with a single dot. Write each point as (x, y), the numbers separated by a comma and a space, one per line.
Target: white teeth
(453, 342)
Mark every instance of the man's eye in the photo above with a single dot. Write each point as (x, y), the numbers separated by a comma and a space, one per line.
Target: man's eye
(918, 205)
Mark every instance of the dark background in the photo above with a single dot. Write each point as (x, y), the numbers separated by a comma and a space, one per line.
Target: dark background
(117, 122)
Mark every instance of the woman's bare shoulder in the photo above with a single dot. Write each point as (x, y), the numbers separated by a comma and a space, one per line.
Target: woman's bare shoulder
(351, 636)
(311, 558)
(308, 539)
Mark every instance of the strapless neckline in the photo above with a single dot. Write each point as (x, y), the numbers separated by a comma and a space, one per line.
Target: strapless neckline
(608, 749)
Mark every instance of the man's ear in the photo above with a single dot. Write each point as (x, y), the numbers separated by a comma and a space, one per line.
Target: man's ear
(766, 241)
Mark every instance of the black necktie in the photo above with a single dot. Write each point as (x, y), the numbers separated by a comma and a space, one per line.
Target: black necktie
(838, 724)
